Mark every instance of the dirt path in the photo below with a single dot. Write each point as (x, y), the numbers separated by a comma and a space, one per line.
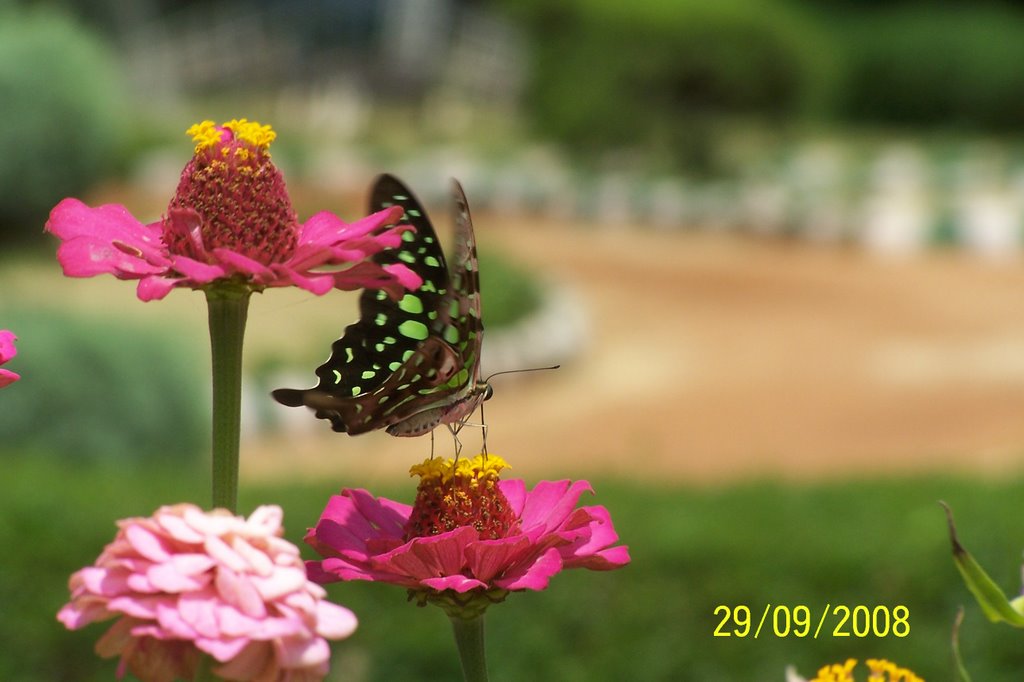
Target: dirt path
(714, 357)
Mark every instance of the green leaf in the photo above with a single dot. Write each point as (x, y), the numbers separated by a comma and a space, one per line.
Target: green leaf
(993, 602)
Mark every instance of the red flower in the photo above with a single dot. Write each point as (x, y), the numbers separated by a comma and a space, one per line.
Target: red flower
(231, 219)
(468, 540)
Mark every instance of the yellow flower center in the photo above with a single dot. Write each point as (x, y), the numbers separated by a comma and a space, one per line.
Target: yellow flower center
(453, 493)
(880, 669)
(237, 191)
(208, 134)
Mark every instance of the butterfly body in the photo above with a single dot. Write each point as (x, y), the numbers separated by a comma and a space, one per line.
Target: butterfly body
(410, 365)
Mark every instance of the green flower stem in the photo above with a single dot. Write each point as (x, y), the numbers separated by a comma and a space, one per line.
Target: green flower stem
(204, 669)
(469, 638)
(228, 308)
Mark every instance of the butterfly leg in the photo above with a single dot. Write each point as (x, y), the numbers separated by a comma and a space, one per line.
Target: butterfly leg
(454, 430)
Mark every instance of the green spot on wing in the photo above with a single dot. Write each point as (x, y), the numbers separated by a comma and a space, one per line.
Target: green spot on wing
(337, 375)
(411, 303)
(408, 236)
(348, 358)
(451, 335)
(381, 320)
(431, 261)
(393, 366)
(429, 287)
(379, 347)
(367, 374)
(407, 257)
(356, 390)
(406, 355)
(413, 330)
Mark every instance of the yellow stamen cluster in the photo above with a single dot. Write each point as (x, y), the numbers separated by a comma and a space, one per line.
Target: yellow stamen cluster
(208, 134)
(456, 493)
(881, 670)
(837, 672)
(479, 470)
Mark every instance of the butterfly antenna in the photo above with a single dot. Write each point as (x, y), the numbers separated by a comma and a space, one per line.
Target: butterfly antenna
(517, 371)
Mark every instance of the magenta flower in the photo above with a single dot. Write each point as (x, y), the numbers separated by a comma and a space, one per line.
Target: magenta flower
(231, 219)
(7, 351)
(468, 540)
(186, 581)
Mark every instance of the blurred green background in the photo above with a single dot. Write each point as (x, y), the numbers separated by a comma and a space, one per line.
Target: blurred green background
(775, 245)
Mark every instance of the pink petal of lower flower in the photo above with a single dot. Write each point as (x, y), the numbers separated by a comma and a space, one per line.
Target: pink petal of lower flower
(146, 543)
(222, 648)
(534, 575)
(459, 583)
(198, 610)
(430, 557)
(352, 519)
(81, 612)
(333, 621)
(256, 661)
(8, 377)
(550, 503)
(303, 652)
(488, 558)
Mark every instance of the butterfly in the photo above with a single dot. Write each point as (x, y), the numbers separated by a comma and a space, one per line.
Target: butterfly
(409, 365)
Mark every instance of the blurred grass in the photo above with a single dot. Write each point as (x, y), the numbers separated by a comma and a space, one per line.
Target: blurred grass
(864, 542)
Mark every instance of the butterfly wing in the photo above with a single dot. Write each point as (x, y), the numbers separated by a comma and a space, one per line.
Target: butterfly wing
(413, 363)
(388, 333)
(464, 327)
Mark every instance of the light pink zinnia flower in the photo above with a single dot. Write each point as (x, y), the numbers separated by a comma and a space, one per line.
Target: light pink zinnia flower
(468, 540)
(7, 351)
(231, 219)
(185, 581)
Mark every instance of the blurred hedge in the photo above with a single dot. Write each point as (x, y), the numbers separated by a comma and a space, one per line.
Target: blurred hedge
(943, 66)
(59, 122)
(100, 390)
(668, 77)
(663, 73)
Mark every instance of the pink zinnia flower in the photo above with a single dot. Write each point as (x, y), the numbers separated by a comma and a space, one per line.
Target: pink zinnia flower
(231, 219)
(185, 581)
(7, 351)
(468, 540)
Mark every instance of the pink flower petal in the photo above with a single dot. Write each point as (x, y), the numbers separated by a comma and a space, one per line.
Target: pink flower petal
(303, 652)
(146, 543)
(333, 621)
(243, 264)
(186, 581)
(107, 239)
(7, 348)
(197, 272)
(8, 377)
(488, 558)
(326, 229)
(155, 288)
(534, 575)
